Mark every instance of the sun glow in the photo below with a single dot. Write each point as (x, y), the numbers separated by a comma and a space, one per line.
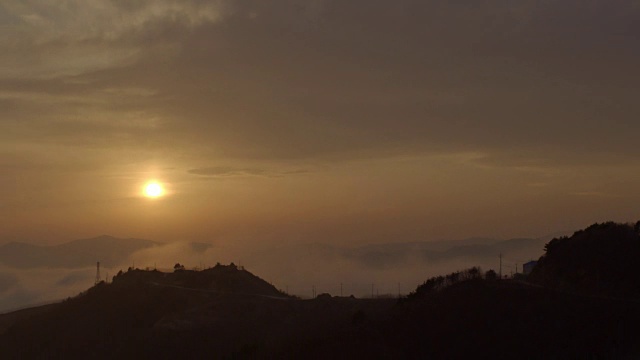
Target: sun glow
(153, 190)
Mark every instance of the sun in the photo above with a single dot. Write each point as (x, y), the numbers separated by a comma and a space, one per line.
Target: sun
(153, 189)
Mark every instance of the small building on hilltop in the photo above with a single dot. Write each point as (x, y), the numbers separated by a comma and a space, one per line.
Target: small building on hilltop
(528, 267)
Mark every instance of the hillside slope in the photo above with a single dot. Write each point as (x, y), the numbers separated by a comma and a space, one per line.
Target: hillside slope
(490, 319)
(218, 312)
(227, 312)
(600, 260)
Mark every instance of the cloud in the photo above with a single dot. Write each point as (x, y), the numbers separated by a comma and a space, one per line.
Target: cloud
(228, 171)
(24, 288)
(78, 20)
(327, 79)
(299, 266)
(74, 278)
(329, 90)
(540, 89)
(598, 194)
(7, 282)
(84, 36)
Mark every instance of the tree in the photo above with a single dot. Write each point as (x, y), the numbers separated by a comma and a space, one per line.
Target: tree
(474, 273)
(178, 267)
(491, 275)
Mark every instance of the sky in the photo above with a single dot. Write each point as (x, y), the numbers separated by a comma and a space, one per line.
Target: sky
(343, 122)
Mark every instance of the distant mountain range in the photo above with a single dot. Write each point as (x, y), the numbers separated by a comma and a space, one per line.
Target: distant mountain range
(227, 312)
(110, 251)
(483, 252)
(580, 301)
(477, 249)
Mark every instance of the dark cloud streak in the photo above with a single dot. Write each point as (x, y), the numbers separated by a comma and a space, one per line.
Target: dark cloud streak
(228, 171)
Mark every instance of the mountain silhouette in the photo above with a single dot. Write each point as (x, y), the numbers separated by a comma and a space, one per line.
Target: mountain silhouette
(109, 250)
(600, 260)
(472, 250)
(226, 312)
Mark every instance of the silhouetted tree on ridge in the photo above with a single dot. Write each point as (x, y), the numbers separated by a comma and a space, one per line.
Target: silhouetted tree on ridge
(599, 260)
(438, 283)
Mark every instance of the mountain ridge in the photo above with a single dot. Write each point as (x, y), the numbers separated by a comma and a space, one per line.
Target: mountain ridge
(79, 253)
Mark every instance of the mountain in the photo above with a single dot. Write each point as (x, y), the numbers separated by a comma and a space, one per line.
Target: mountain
(56, 272)
(221, 312)
(299, 266)
(512, 319)
(479, 251)
(228, 313)
(110, 251)
(600, 260)
(473, 251)
(579, 302)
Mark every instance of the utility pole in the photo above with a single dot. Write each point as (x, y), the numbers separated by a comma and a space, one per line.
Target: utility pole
(372, 285)
(500, 266)
(398, 290)
(98, 279)
(340, 289)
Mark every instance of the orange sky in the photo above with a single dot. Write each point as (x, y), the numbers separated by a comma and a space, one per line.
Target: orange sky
(317, 121)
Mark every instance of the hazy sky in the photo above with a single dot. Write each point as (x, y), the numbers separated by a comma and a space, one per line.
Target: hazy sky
(332, 121)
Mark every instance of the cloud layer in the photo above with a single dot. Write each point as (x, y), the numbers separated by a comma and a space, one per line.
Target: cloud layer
(328, 78)
(404, 120)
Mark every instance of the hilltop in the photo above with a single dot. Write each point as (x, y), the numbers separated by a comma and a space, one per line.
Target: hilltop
(227, 312)
(600, 260)
(55, 272)
(221, 311)
(219, 279)
(151, 314)
(510, 319)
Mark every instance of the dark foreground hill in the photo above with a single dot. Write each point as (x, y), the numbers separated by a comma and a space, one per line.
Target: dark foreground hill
(600, 260)
(509, 319)
(215, 313)
(226, 312)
